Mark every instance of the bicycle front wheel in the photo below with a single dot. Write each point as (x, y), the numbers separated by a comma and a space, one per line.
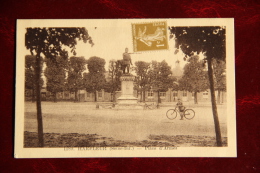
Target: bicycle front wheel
(171, 114)
(189, 114)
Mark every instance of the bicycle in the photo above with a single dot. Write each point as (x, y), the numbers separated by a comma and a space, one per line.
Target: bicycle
(150, 106)
(187, 113)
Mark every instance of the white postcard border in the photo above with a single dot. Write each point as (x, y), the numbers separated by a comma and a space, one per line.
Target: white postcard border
(229, 151)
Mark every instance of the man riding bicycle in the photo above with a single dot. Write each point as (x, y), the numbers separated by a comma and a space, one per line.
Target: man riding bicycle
(181, 108)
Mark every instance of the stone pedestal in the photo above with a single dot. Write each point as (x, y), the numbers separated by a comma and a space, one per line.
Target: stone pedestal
(127, 89)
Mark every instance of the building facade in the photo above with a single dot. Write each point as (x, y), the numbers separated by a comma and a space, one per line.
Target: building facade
(150, 96)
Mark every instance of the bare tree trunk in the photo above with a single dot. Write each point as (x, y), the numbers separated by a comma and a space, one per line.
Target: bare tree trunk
(214, 105)
(95, 94)
(143, 95)
(218, 101)
(159, 98)
(222, 95)
(195, 97)
(38, 100)
(114, 96)
(76, 95)
(79, 96)
(33, 95)
(55, 97)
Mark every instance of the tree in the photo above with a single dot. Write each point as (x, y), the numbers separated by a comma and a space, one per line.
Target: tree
(75, 74)
(195, 78)
(55, 74)
(219, 68)
(211, 42)
(95, 80)
(160, 78)
(49, 42)
(142, 78)
(113, 83)
(30, 75)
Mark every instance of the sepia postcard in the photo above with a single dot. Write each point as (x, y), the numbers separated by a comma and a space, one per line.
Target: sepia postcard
(99, 88)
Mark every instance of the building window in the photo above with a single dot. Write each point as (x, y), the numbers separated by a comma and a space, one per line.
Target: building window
(184, 94)
(175, 94)
(99, 93)
(150, 93)
(192, 94)
(205, 94)
(162, 94)
(60, 96)
(66, 94)
(88, 94)
(27, 93)
(43, 95)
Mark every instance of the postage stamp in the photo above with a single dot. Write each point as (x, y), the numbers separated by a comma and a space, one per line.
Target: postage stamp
(150, 36)
(79, 93)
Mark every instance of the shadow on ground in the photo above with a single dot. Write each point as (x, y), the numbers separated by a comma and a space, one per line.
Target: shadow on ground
(55, 140)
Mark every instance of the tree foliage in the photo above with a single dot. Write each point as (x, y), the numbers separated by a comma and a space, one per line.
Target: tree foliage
(113, 83)
(194, 40)
(160, 78)
(195, 78)
(96, 65)
(142, 77)
(55, 74)
(29, 71)
(75, 74)
(211, 41)
(30, 82)
(94, 80)
(50, 42)
(219, 68)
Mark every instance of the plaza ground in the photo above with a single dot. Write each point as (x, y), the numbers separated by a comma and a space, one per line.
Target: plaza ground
(125, 125)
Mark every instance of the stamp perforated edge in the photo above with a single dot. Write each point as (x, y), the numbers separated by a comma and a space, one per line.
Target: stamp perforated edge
(156, 50)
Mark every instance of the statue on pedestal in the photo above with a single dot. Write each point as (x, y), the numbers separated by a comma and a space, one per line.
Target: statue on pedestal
(126, 62)
(127, 82)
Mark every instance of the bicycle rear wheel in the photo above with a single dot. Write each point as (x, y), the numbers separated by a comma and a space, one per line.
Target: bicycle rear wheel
(189, 114)
(171, 114)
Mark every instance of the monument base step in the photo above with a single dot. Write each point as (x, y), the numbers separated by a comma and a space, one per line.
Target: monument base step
(127, 100)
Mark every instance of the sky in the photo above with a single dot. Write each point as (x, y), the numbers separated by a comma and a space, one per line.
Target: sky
(110, 43)
(112, 37)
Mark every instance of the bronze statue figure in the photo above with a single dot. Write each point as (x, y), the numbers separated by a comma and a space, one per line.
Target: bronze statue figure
(126, 62)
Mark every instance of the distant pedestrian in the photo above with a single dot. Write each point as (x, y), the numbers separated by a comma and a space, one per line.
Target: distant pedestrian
(181, 108)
